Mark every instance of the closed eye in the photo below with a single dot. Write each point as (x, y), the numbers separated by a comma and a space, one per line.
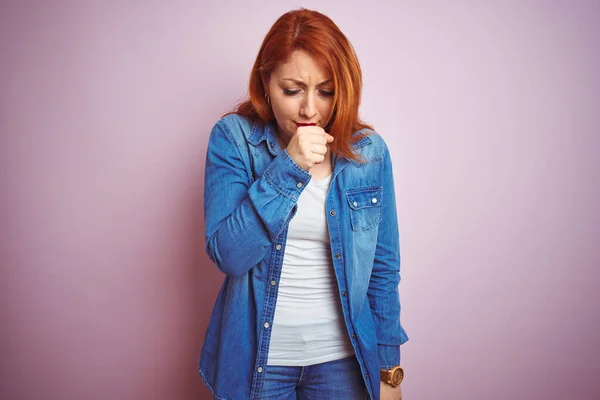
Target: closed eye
(289, 92)
(324, 93)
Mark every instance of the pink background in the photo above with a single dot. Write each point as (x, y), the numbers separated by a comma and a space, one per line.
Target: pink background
(491, 113)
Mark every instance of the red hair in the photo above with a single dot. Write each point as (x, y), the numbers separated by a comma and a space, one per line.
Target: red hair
(320, 37)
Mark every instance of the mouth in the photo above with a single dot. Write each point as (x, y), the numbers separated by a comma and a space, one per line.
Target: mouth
(299, 124)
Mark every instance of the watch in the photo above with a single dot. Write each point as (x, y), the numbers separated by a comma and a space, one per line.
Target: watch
(392, 376)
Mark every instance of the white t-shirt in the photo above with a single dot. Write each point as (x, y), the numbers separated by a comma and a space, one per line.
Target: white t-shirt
(308, 326)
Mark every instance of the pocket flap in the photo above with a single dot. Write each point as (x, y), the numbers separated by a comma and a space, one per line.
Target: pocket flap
(364, 197)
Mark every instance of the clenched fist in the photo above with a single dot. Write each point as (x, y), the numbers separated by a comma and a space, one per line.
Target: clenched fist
(309, 146)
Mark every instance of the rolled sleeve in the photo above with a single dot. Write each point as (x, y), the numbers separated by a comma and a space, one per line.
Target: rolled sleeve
(389, 356)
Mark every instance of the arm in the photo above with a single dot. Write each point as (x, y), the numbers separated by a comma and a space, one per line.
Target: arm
(383, 291)
(242, 219)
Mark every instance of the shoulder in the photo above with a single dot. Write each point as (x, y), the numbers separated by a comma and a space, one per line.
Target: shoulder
(236, 121)
(234, 127)
(371, 147)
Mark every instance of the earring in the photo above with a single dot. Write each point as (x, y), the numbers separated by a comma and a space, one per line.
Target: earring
(268, 99)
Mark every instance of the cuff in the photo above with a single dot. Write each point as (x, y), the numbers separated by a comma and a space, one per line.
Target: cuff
(286, 176)
(389, 356)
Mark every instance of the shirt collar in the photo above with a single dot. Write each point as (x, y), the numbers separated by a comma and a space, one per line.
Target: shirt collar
(266, 133)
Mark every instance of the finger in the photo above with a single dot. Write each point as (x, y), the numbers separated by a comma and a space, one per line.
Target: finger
(318, 158)
(319, 149)
(311, 129)
(318, 139)
(329, 138)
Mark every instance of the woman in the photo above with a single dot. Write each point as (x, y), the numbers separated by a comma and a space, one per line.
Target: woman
(301, 217)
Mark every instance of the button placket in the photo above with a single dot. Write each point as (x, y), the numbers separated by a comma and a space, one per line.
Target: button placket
(269, 307)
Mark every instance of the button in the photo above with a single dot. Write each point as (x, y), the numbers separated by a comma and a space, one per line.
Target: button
(332, 213)
(345, 294)
(278, 247)
(266, 325)
(273, 283)
(355, 204)
(338, 256)
(259, 369)
(374, 200)
(354, 336)
(299, 185)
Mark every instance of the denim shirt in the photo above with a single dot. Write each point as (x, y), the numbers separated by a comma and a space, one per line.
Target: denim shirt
(251, 190)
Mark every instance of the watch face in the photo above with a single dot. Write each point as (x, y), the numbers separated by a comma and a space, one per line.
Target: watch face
(397, 376)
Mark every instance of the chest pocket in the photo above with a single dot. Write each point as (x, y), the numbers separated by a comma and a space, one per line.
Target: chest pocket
(365, 207)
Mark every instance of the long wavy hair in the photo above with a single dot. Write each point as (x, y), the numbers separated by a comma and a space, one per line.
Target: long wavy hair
(320, 37)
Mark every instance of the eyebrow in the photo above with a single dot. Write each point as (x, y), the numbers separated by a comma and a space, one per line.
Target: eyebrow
(300, 83)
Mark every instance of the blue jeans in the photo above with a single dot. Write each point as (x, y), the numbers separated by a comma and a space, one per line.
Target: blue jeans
(339, 379)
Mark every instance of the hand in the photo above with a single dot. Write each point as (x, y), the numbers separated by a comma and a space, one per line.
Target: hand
(388, 392)
(309, 146)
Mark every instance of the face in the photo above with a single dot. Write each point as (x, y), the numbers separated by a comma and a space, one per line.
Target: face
(301, 93)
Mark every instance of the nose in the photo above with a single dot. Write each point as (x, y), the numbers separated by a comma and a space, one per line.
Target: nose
(308, 109)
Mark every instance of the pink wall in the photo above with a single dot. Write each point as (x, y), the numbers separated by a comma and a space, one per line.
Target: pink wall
(491, 113)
